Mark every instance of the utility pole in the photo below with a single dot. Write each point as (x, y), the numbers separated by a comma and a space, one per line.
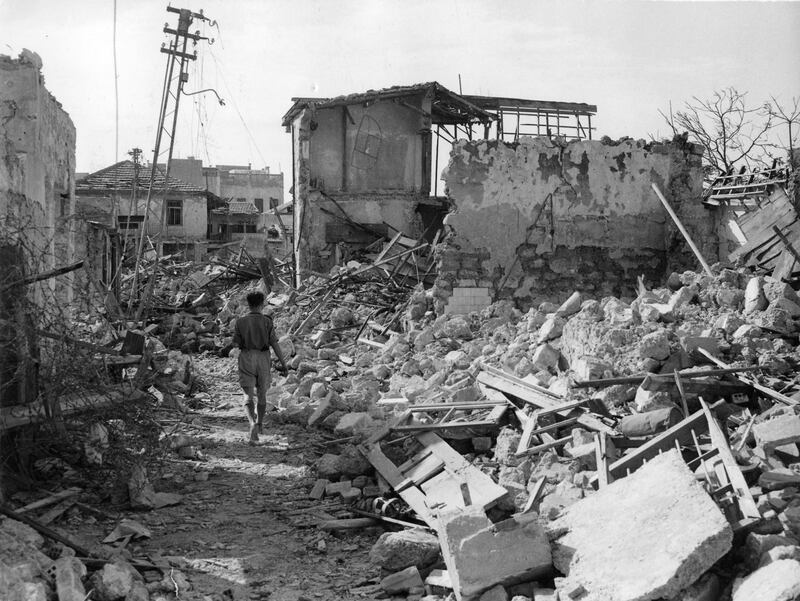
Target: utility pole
(177, 60)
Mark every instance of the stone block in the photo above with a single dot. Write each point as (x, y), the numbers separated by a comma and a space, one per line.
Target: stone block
(395, 551)
(69, 575)
(781, 430)
(480, 555)
(336, 488)
(778, 553)
(655, 345)
(754, 298)
(403, 581)
(353, 423)
(778, 478)
(114, 581)
(496, 593)
(659, 519)
(777, 581)
(570, 306)
(318, 490)
(545, 357)
(481, 444)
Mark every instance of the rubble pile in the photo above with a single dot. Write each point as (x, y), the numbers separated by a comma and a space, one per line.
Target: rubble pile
(37, 568)
(644, 447)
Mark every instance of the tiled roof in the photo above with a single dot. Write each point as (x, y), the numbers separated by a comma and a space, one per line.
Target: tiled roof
(120, 176)
(237, 207)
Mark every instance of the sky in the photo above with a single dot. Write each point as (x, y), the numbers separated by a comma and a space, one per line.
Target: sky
(628, 58)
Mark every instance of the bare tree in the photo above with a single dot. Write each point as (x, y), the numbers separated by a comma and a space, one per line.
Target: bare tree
(731, 133)
(789, 117)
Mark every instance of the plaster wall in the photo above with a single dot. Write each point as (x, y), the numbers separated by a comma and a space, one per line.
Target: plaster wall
(106, 210)
(541, 218)
(396, 210)
(37, 167)
(379, 147)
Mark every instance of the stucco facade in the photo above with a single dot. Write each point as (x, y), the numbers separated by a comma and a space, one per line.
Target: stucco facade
(542, 218)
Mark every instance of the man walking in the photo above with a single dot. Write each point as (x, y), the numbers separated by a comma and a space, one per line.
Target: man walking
(254, 334)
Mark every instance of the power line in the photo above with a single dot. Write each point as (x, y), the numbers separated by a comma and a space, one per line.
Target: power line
(236, 106)
(116, 88)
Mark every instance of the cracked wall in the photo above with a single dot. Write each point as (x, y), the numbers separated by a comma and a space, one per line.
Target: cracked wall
(536, 220)
(37, 166)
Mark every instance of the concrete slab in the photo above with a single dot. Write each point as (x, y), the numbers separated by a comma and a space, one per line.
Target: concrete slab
(643, 537)
(777, 432)
(480, 555)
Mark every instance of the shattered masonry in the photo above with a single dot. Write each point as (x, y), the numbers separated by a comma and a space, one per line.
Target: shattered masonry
(597, 225)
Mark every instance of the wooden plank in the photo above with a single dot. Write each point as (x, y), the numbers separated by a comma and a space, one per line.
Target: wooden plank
(438, 407)
(773, 394)
(658, 444)
(50, 500)
(445, 426)
(535, 495)
(601, 457)
(425, 470)
(497, 413)
(767, 236)
(565, 408)
(386, 248)
(548, 445)
(528, 427)
(55, 512)
(525, 384)
(416, 459)
(747, 504)
(412, 495)
(518, 389)
(784, 267)
(685, 375)
(541, 398)
(386, 430)
(483, 490)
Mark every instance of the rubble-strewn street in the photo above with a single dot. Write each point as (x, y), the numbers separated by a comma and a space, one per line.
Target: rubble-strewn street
(467, 348)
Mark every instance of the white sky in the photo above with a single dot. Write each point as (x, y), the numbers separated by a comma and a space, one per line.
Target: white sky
(628, 58)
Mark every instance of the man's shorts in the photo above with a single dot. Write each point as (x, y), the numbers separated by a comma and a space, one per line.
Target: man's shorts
(254, 369)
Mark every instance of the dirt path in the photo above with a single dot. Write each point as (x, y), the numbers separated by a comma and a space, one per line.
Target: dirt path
(249, 530)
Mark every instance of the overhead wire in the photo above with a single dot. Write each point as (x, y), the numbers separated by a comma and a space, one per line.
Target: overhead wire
(236, 106)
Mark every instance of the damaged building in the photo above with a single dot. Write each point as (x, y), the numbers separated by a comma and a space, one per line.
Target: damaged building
(365, 165)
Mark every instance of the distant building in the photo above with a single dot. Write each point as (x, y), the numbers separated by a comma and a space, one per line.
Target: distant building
(251, 199)
(117, 197)
(366, 165)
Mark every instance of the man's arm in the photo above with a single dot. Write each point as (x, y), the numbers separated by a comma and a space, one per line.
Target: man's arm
(237, 335)
(273, 342)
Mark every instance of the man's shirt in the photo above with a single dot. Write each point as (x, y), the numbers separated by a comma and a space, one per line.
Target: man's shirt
(254, 332)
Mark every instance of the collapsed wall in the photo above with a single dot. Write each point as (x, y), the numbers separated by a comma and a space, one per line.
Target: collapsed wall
(538, 219)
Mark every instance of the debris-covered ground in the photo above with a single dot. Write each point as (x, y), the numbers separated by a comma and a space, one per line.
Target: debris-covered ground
(603, 449)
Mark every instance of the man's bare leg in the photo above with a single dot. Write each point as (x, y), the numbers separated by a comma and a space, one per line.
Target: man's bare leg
(261, 407)
(251, 416)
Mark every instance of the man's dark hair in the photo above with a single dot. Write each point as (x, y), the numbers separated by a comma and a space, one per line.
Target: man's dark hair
(255, 299)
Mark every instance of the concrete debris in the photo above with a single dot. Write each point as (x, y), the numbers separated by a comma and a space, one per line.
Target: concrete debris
(114, 581)
(778, 431)
(480, 555)
(395, 551)
(405, 581)
(777, 581)
(626, 520)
